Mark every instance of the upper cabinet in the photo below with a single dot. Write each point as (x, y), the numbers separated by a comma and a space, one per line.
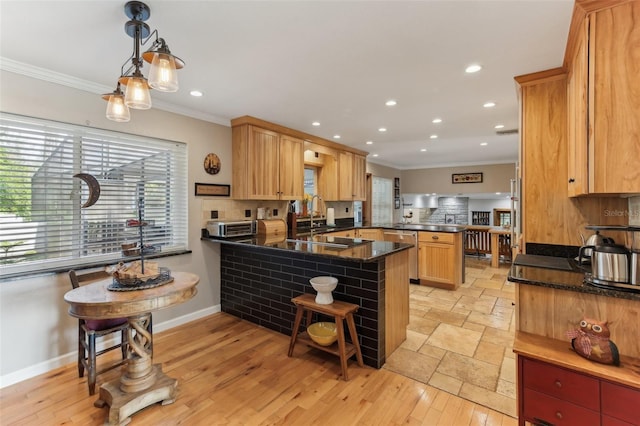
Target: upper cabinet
(604, 100)
(269, 161)
(352, 176)
(266, 165)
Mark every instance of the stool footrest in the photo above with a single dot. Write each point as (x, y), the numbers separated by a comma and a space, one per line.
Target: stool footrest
(333, 348)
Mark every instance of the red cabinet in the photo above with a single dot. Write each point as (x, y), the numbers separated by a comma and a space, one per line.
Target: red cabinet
(554, 395)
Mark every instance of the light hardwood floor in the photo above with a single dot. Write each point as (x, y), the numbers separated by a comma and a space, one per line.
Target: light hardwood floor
(233, 372)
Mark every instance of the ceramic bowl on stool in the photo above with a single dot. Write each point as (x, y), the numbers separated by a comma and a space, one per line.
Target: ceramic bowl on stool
(324, 286)
(323, 333)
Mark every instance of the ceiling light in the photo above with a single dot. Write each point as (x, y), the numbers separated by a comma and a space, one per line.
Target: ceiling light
(499, 126)
(423, 150)
(484, 144)
(369, 142)
(315, 123)
(489, 104)
(196, 93)
(433, 137)
(375, 155)
(162, 72)
(473, 68)
(336, 136)
(391, 102)
(382, 129)
(436, 120)
(116, 109)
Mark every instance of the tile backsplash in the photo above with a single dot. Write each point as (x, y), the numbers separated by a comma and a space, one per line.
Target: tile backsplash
(634, 211)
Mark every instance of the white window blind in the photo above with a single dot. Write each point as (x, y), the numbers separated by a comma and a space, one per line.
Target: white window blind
(42, 224)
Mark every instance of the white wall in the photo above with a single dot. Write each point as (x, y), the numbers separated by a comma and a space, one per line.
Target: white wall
(36, 333)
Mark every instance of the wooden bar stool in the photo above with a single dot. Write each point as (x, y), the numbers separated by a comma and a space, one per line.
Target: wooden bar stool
(340, 311)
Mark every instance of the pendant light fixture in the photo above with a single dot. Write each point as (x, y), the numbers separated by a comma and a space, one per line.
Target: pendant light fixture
(162, 74)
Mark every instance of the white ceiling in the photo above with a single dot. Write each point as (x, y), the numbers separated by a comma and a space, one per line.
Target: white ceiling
(337, 62)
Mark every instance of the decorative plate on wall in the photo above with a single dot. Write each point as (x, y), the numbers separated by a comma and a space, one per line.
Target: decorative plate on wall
(212, 164)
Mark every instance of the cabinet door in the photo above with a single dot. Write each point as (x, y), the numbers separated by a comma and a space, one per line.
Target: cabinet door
(262, 164)
(614, 107)
(345, 174)
(436, 262)
(328, 179)
(291, 168)
(359, 177)
(620, 402)
(577, 147)
(370, 234)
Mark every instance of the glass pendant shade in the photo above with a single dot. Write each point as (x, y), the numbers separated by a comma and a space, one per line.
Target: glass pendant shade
(137, 94)
(117, 110)
(163, 75)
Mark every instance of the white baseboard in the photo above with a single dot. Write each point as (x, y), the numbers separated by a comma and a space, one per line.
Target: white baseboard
(71, 357)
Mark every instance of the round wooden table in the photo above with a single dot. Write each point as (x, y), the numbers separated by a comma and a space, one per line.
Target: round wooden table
(142, 383)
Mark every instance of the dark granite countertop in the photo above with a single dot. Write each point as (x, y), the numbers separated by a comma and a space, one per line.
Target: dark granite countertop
(433, 227)
(570, 280)
(323, 245)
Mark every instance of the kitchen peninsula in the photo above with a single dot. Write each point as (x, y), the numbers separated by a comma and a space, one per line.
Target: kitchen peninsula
(260, 275)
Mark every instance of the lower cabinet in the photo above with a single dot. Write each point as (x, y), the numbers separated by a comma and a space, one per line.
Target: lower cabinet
(374, 234)
(552, 395)
(350, 233)
(440, 259)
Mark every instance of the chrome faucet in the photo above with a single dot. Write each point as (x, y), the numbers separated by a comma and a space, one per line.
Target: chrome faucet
(311, 217)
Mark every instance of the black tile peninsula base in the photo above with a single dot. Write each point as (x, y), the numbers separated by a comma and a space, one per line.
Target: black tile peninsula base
(258, 285)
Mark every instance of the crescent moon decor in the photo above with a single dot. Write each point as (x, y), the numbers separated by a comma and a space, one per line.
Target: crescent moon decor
(94, 188)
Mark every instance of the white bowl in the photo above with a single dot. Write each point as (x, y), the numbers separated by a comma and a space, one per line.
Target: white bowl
(324, 286)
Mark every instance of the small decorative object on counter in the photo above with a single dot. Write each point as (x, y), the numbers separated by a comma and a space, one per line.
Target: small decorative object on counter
(591, 341)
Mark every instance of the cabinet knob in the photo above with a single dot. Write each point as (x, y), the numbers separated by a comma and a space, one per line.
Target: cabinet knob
(571, 180)
(435, 237)
(559, 414)
(558, 384)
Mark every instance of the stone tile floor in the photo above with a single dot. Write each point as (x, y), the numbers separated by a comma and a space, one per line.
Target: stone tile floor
(461, 341)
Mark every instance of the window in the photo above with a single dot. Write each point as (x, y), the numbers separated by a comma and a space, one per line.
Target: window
(42, 224)
(382, 200)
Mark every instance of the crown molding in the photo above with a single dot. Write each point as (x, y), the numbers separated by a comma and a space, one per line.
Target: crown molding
(54, 77)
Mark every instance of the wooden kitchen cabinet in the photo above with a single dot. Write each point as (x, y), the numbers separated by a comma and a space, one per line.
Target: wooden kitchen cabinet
(267, 165)
(352, 176)
(349, 233)
(604, 101)
(440, 259)
(374, 234)
(557, 386)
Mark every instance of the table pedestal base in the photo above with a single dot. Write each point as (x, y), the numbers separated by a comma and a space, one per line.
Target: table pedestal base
(124, 404)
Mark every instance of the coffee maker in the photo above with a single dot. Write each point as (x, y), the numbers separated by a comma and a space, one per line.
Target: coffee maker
(632, 242)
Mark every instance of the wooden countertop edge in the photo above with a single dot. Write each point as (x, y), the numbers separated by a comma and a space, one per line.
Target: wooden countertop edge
(560, 353)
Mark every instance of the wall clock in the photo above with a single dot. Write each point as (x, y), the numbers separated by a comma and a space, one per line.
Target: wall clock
(212, 164)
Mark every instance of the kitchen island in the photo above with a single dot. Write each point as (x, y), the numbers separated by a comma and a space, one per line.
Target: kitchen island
(261, 274)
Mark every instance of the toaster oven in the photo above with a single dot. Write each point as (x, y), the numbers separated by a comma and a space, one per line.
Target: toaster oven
(223, 229)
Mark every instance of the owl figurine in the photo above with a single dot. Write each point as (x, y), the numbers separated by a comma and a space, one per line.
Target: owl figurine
(592, 342)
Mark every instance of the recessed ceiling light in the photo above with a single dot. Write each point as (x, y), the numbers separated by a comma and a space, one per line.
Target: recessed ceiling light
(315, 123)
(499, 126)
(436, 120)
(433, 137)
(369, 142)
(336, 136)
(382, 129)
(489, 104)
(423, 150)
(472, 68)
(391, 102)
(375, 155)
(484, 144)
(196, 93)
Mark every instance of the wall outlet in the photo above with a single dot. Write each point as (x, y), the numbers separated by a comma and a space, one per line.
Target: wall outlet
(346, 209)
(275, 212)
(214, 214)
(247, 213)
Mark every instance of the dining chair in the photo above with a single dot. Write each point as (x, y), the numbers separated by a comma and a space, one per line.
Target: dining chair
(90, 329)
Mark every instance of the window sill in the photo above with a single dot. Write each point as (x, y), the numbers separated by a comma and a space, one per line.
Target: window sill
(65, 269)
